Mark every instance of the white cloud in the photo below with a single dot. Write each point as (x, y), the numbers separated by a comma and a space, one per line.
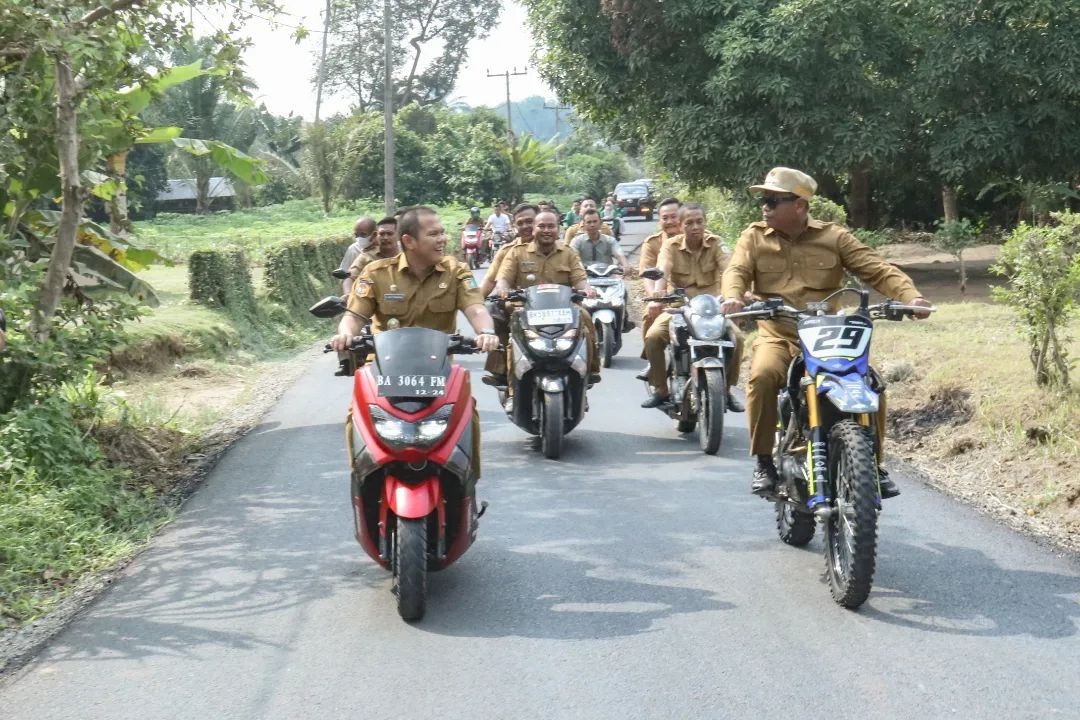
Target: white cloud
(283, 69)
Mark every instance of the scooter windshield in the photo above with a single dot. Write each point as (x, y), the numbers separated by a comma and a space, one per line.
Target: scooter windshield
(411, 362)
(548, 305)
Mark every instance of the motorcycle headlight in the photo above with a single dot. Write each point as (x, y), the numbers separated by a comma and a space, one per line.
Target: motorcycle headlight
(398, 433)
(548, 346)
(707, 328)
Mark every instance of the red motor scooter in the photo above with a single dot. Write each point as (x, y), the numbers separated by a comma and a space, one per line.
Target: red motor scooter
(413, 454)
(472, 245)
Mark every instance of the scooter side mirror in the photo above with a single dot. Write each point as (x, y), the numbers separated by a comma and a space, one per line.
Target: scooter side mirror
(328, 307)
(652, 274)
(340, 274)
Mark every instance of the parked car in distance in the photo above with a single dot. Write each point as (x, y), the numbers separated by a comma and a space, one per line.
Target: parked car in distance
(635, 199)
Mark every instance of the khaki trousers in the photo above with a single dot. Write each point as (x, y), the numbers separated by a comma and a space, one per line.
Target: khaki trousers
(769, 363)
(657, 338)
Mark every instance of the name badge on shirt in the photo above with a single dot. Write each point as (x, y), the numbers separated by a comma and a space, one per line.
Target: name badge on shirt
(392, 297)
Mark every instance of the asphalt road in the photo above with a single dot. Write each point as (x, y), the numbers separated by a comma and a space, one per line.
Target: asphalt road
(634, 578)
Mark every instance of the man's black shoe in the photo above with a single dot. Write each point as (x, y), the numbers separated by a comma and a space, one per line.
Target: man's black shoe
(494, 379)
(765, 477)
(629, 325)
(643, 375)
(734, 404)
(889, 489)
(594, 378)
(655, 401)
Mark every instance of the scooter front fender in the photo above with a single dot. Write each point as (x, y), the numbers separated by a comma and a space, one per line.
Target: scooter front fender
(604, 315)
(412, 501)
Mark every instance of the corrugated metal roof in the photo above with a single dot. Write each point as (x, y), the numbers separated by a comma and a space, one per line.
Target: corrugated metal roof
(220, 187)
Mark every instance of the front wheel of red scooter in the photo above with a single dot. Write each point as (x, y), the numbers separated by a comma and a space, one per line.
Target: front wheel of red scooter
(410, 567)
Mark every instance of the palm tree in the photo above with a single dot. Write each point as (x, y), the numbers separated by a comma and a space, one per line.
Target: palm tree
(531, 161)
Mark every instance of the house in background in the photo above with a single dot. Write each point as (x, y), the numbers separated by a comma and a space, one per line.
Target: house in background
(180, 195)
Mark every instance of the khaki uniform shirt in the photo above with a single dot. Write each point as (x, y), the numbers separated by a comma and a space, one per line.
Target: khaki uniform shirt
(525, 266)
(365, 258)
(387, 290)
(650, 250)
(576, 229)
(696, 271)
(806, 269)
(500, 255)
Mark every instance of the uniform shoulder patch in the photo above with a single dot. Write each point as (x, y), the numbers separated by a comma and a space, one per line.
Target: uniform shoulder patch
(363, 289)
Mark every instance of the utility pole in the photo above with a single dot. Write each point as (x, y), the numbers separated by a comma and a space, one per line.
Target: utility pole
(507, 74)
(557, 108)
(388, 117)
(322, 62)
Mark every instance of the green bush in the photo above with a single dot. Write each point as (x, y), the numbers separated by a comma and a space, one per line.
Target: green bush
(63, 511)
(822, 208)
(1043, 268)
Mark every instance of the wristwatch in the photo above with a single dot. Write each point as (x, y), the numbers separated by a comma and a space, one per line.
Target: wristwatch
(485, 331)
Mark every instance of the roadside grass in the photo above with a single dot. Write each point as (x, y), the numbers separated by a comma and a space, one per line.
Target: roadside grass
(970, 405)
(176, 235)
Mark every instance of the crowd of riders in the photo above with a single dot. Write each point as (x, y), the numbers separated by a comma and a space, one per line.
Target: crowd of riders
(401, 276)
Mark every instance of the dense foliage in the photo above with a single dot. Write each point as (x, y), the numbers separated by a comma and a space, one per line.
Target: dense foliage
(889, 103)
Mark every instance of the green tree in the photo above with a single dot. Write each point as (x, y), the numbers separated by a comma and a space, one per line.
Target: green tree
(530, 162)
(996, 87)
(61, 66)
(723, 91)
(430, 41)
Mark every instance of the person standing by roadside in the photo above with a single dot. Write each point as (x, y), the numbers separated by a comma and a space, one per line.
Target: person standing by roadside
(363, 229)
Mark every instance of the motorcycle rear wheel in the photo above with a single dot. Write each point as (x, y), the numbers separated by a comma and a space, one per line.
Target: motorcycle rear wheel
(712, 404)
(551, 425)
(851, 532)
(410, 567)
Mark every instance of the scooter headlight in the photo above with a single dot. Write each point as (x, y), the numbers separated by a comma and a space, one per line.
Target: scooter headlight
(548, 346)
(398, 433)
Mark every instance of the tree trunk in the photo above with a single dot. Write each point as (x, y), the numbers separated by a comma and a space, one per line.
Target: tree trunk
(72, 198)
(859, 196)
(118, 206)
(202, 189)
(948, 202)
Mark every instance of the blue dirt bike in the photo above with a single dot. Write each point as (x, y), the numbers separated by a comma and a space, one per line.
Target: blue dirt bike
(827, 448)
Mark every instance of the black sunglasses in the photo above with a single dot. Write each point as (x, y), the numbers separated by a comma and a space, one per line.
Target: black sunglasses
(771, 201)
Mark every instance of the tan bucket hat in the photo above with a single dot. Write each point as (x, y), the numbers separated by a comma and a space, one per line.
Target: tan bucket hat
(786, 180)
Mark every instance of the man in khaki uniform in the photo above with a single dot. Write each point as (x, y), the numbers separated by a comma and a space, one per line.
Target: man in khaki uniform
(523, 218)
(577, 228)
(542, 261)
(695, 262)
(648, 256)
(421, 287)
(793, 256)
(386, 246)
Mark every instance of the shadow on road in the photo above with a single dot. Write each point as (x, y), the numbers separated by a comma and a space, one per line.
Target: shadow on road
(960, 591)
(251, 545)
